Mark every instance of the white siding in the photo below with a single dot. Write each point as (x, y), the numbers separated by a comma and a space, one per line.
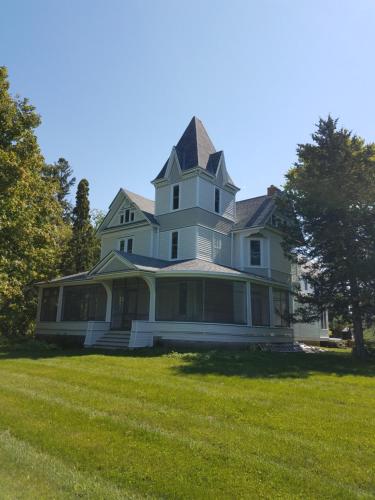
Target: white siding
(115, 221)
(207, 199)
(188, 197)
(213, 246)
(141, 240)
(187, 244)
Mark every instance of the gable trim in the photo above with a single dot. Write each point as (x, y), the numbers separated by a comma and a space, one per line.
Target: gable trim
(112, 255)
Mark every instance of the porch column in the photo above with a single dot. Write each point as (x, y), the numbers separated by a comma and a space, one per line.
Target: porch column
(151, 285)
(108, 311)
(59, 303)
(249, 319)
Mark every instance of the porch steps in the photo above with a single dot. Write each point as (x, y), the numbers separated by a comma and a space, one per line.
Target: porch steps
(113, 340)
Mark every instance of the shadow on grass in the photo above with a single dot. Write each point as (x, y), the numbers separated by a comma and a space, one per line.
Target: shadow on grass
(274, 365)
(240, 363)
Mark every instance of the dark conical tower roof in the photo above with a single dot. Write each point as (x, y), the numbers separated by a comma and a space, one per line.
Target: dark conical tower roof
(194, 148)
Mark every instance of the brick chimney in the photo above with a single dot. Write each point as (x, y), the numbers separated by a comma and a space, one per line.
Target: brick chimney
(272, 190)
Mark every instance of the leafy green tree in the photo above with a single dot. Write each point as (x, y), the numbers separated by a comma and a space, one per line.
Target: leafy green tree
(61, 173)
(330, 196)
(83, 244)
(30, 215)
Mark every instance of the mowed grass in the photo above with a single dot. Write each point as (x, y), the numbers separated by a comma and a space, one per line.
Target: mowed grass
(79, 424)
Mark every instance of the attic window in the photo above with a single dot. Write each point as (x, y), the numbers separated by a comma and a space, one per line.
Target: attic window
(131, 216)
(127, 213)
(217, 200)
(176, 197)
(122, 219)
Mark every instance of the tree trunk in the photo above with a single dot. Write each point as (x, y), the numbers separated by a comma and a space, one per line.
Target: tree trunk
(359, 349)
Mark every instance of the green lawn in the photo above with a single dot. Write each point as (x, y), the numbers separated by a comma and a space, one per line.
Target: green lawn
(78, 424)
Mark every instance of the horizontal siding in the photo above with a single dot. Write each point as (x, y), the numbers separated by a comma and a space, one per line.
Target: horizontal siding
(193, 217)
(213, 246)
(207, 332)
(141, 243)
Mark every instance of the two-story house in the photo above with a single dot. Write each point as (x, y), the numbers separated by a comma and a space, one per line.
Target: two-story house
(195, 265)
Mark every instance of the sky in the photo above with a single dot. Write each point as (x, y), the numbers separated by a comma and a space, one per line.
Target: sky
(116, 82)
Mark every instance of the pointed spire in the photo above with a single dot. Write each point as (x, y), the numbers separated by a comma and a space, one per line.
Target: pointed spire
(195, 146)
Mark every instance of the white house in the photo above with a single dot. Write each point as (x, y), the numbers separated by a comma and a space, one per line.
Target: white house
(195, 265)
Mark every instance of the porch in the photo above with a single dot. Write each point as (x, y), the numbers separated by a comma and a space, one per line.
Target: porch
(133, 310)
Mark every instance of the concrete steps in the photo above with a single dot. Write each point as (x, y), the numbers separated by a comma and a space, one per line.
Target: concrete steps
(113, 340)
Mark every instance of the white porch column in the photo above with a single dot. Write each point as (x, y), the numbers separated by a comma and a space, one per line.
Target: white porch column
(151, 285)
(108, 311)
(59, 303)
(248, 304)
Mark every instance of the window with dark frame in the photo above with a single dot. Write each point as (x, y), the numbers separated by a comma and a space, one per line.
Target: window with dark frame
(176, 197)
(217, 200)
(127, 214)
(255, 253)
(131, 216)
(174, 245)
(122, 245)
(122, 219)
(130, 245)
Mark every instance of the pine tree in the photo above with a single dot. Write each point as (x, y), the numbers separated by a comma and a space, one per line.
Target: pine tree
(83, 243)
(330, 196)
(30, 215)
(61, 173)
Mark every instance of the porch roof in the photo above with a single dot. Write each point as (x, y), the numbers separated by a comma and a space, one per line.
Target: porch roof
(126, 263)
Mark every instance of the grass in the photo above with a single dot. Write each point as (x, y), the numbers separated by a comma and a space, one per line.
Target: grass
(80, 424)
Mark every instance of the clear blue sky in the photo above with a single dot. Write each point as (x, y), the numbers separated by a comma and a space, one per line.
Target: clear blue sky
(117, 81)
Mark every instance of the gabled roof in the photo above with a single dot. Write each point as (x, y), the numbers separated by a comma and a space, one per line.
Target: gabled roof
(254, 212)
(145, 205)
(193, 149)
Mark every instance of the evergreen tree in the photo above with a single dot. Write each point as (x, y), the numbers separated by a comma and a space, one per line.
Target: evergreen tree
(330, 196)
(61, 173)
(83, 242)
(30, 215)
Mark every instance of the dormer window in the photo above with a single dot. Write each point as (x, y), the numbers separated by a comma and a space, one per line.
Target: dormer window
(255, 254)
(176, 197)
(217, 200)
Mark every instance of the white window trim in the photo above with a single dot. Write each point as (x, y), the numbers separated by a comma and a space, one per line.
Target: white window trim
(179, 197)
(261, 240)
(178, 244)
(125, 240)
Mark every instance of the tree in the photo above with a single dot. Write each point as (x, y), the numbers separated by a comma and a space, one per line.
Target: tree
(30, 215)
(61, 173)
(330, 196)
(83, 243)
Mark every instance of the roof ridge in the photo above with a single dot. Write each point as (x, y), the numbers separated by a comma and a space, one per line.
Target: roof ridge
(254, 198)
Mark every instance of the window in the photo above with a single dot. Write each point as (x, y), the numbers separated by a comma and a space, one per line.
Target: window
(200, 300)
(129, 247)
(126, 245)
(84, 303)
(131, 216)
(176, 197)
(255, 253)
(174, 245)
(217, 200)
(280, 307)
(260, 305)
(122, 219)
(48, 309)
(127, 213)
